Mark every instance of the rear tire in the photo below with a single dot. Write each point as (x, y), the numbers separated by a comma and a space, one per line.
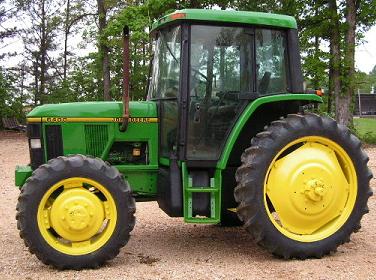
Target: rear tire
(230, 219)
(75, 212)
(303, 145)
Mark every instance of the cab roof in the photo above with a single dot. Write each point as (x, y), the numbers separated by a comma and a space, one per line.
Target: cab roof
(254, 18)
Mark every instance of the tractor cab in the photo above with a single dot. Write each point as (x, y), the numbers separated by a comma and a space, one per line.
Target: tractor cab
(204, 74)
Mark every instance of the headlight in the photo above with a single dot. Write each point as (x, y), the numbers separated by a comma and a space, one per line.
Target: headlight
(34, 133)
(35, 144)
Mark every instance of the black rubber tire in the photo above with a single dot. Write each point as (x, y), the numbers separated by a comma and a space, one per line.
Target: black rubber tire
(230, 219)
(62, 168)
(250, 184)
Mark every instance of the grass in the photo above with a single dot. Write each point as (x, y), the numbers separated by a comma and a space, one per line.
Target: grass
(366, 129)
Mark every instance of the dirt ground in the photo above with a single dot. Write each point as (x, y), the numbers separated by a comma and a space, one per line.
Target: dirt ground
(166, 248)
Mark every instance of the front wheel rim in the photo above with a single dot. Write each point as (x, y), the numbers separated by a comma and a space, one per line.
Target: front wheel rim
(77, 216)
(310, 189)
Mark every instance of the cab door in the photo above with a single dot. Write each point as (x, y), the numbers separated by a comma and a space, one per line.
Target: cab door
(221, 75)
(221, 83)
(220, 78)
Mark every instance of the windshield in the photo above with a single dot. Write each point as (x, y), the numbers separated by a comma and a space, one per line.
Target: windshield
(164, 82)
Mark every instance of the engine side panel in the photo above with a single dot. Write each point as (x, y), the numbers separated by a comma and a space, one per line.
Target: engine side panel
(133, 152)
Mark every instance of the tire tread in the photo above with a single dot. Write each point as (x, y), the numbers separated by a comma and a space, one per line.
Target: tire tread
(31, 189)
(253, 162)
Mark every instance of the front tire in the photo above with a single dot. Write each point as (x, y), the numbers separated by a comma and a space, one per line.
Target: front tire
(75, 212)
(303, 186)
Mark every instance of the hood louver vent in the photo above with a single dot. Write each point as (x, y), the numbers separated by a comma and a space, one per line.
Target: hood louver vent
(96, 138)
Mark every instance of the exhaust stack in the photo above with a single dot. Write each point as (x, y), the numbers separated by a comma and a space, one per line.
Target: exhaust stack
(126, 76)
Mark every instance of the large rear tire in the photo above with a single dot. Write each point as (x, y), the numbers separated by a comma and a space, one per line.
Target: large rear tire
(303, 186)
(229, 218)
(75, 212)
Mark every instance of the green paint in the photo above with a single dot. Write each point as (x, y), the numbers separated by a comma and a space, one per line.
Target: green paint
(254, 18)
(95, 109)
(107, 149)
(142, 178)
(21, 174)
(246, 115)
(215, 197)
(97, 139)
(164, 161)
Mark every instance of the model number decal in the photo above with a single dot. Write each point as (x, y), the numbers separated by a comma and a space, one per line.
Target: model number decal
(56, 120)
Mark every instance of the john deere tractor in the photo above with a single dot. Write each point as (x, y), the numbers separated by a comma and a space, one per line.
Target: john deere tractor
(222, 138)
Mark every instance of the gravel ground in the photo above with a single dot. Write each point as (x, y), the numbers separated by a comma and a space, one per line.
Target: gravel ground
(166, 248)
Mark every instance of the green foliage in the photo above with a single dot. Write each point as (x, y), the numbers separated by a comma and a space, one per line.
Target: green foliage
(11, 103)
(139, 19)
(5, 93)
(364, 82)
(373, 72)
(366, 129)
(369, 138)
(83, 79)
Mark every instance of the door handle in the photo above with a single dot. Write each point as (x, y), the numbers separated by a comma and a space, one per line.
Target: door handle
(197, 114)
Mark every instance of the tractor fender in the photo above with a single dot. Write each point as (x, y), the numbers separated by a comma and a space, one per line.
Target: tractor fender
(247, 115)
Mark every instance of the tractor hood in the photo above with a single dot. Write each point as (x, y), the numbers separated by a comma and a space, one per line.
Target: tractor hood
(94, 110)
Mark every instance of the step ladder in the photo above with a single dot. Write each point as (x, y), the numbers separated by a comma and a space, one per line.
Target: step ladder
(215, 197)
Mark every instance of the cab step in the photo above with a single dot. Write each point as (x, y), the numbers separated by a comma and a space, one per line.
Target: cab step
(193, 195)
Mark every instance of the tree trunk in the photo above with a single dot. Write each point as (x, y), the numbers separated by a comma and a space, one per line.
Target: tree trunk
(43, 54)
(316, 79)
(104, 51)
(22, 83)
(331, 86)
(335, 56)
(345, 100)
(66, 40)
(36, 83)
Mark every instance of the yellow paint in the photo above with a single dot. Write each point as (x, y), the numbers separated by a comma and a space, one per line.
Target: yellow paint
(82, 221)
(91, 120)
(313, 189)
(33, 120)
(77, 214)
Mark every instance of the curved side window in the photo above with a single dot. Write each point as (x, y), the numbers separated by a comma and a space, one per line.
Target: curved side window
(165, 76)
(164, 85)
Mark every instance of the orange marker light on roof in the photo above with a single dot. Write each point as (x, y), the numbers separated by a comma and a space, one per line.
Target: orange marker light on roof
(319, 92)
(177, 16)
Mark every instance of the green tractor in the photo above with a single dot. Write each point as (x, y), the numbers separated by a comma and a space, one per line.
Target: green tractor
(222, 138)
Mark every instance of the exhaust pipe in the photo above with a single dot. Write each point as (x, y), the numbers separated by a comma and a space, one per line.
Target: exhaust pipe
(126, 75)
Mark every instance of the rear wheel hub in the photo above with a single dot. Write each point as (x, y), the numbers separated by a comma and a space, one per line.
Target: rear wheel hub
(315, 190)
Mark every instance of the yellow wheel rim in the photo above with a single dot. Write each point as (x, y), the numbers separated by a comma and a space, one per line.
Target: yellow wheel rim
(77, 216)
(310, 189)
